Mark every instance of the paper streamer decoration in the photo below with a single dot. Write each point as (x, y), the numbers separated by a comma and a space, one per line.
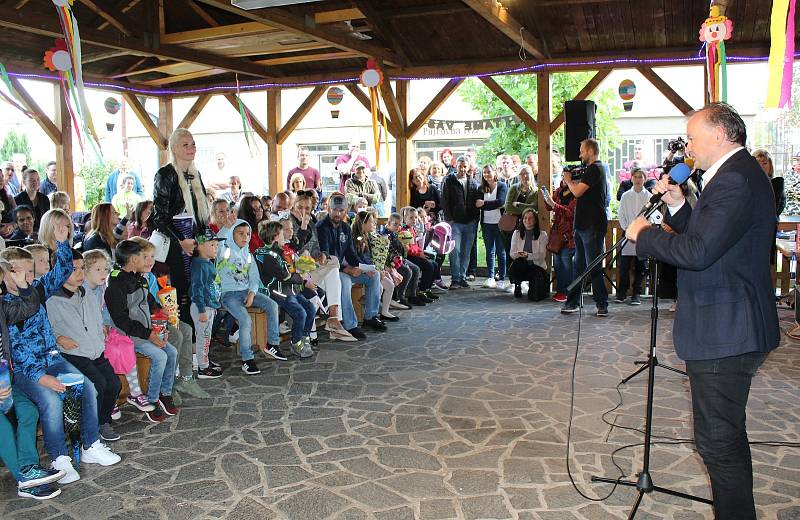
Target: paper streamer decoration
(781, 54)
(372, 78)
(247, 123)
(714, 31)
(627, 91)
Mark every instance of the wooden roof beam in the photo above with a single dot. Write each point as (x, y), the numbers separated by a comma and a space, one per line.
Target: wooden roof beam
(441, 9)
(300, 113)
(384, 30)
(216, 33)
(276, 17)
(113, 16)
(258, 128)
(48, 26)
(52, 131)
(304, 58)
(498, 16)
(339, 15)
(202, 13)
(666, 90)
(431, 107)
(515, 107)
(100, 56)
(182, 77)
(144, 118)
(585, 92)
(128, 6)
(393, 107)
(197, 107)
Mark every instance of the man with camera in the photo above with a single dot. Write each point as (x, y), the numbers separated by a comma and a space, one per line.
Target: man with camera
(590, 187)
(726, 322)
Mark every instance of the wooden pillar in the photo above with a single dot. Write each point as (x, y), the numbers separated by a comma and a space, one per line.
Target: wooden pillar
(165, 126)
(403, 149)
(65, 173)
(274, 148)
(545, 144)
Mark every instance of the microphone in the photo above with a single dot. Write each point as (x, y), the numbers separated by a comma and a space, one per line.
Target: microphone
(679, 174)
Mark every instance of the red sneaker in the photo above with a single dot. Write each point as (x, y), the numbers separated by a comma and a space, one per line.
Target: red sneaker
(560, 297)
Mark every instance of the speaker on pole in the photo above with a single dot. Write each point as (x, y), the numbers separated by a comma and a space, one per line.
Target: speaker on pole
(579, 124)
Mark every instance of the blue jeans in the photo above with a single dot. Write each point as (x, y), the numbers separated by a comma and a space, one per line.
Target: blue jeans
(51, 409)
(589, 243)
(720, 388)
(234, 303)
(162, 368)
(18, 448)
(380, 207)
(464, 237)
(302, 312)
(564, 265)
(493, 241)
(372, 297)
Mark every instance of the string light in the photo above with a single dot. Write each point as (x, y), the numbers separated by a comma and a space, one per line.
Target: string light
(519, 70)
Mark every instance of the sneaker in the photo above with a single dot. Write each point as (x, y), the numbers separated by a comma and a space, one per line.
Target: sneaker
(602, 312)
(35, 475)
(99, 453)
(560, 297)
(357, 333)
(190, 387)
(272, 352)
(108, 434)
(406, 303)
(42, 492)
(156, 415)
(464, 284)
(510, 287)
(215, 366)
(208, 373)
(116, 414)
(375, 324)
(416, 301)
(341, 335)
(64, 463)
(525, 286)
(250, 368)
(454, 286)
(141, 402)
(423, 297)
(517, 291)
(490, 283)
(500, 284)
(388, 317)
(397, 305)
(233, 338)
(635, 300)
(306, 351)
(440, 284)
(620, 298)
(470, 278)
(167, 404)
(429, 294)
(437, 289)
(284, 328)
(569, 309)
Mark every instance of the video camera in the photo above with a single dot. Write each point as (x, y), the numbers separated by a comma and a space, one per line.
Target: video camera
(576, 170)
(677, 148)
(677, 145)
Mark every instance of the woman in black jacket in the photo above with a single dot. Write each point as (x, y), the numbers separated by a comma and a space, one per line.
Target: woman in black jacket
(178, 189)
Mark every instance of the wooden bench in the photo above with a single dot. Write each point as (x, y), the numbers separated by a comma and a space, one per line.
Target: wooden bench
(143, 369)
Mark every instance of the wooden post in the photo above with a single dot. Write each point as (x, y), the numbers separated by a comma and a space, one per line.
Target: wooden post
(274, 148)
(545, 145)
(65, 173)
(402, 148)
(164, 126)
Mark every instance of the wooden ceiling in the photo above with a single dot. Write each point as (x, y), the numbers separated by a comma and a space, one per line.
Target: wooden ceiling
(189, 43)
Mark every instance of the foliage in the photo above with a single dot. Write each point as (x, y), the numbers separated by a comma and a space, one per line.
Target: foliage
(95, 176)
(15, 143)
(518, 139)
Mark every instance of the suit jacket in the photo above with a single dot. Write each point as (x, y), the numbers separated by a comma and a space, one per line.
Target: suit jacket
(722, 251)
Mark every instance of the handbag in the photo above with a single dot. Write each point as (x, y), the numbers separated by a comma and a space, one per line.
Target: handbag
(161, 243)
(119, 352)
(508, 222)
(556, 241)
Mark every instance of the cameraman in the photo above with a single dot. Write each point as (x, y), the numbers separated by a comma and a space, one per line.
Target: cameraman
(591, 222)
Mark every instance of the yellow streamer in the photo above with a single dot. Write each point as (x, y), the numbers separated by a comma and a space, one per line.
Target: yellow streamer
(777, 50)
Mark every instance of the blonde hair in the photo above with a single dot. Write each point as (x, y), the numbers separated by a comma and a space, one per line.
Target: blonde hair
(101, 224)
(47, 228)
(197, 185)
(146, 245)
(297, 177)
(13, 253)
(58, 199)
(95, 256)
(37, 248)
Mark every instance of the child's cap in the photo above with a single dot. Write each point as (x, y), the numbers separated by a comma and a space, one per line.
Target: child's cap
(208, 236)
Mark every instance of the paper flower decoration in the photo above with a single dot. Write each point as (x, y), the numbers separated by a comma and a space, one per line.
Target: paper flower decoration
(405, 237)
(372, 76)
(305, 264)
(58, 58)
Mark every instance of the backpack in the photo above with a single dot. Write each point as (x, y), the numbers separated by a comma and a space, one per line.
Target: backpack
(441, 240)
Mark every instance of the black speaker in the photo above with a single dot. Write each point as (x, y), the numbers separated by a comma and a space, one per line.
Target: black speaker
(578, 125)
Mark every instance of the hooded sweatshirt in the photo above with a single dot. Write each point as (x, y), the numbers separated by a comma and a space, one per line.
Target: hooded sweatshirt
(77, 316)
(130, 304)
(236, 266)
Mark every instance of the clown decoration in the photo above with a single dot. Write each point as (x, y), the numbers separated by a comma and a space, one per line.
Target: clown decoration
(714, 31)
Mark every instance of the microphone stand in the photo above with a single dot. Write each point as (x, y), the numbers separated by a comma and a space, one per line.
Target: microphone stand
(644, 483)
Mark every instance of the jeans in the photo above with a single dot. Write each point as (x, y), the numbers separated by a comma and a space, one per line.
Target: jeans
(18, 448)
(181, 338)
(380, 207)
(51, 409)
(372, 297)
(162, 368)
(625, 262)
(203, 331)
(720, 388)
(493, 241)
(408, 287)
(464, 237)
(564, 265)
(427, 272)
(589, 243)
(302, 312)
(234, 303)
(106, 383)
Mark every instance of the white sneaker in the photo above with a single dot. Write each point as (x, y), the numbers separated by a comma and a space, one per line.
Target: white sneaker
(490, 283)
(233, 338)
(524, 286)
(501, 284)
(99, 453)
(284, 328)
(509, 288)
(64, 463)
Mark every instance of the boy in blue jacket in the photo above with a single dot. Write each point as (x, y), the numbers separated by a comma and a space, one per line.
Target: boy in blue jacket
(205, 296)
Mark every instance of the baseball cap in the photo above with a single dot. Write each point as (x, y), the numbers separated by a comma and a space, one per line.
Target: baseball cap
(207, 236)
(337, 202)
(359, 164)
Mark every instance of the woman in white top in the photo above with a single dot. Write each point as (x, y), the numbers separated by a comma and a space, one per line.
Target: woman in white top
(491, 206)
(529, 253)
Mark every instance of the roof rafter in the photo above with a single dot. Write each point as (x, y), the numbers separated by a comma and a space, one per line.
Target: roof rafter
(500, 18)
(113, 16)
(383, 27)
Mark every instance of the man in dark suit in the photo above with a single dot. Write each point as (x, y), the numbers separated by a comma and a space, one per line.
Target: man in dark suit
(726, 321)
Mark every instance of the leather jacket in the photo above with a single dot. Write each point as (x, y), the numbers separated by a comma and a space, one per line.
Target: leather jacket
(168, 201)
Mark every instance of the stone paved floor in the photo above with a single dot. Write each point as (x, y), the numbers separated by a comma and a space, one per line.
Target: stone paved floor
(458, 412)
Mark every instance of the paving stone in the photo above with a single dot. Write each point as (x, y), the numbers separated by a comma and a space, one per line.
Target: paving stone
(208, 490)
(474, 482)
(318, 428)
(523, 498)
(241, 472)
(407, 458)
(417, 485)
(311, 504)
(248, 509)
(198, 471)
(364, 467)
(401, 513)
(437, 510)
(485, 508)
(279, 476)
(374, 496)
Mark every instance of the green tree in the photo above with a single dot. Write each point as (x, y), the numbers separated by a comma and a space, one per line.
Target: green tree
(15, 143)
(518, 139)
(95, 176)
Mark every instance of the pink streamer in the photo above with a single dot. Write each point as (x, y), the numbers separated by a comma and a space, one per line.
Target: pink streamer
(788, 60)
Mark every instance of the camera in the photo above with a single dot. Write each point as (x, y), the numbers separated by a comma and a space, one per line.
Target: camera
(677, 145)
(576, 170)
